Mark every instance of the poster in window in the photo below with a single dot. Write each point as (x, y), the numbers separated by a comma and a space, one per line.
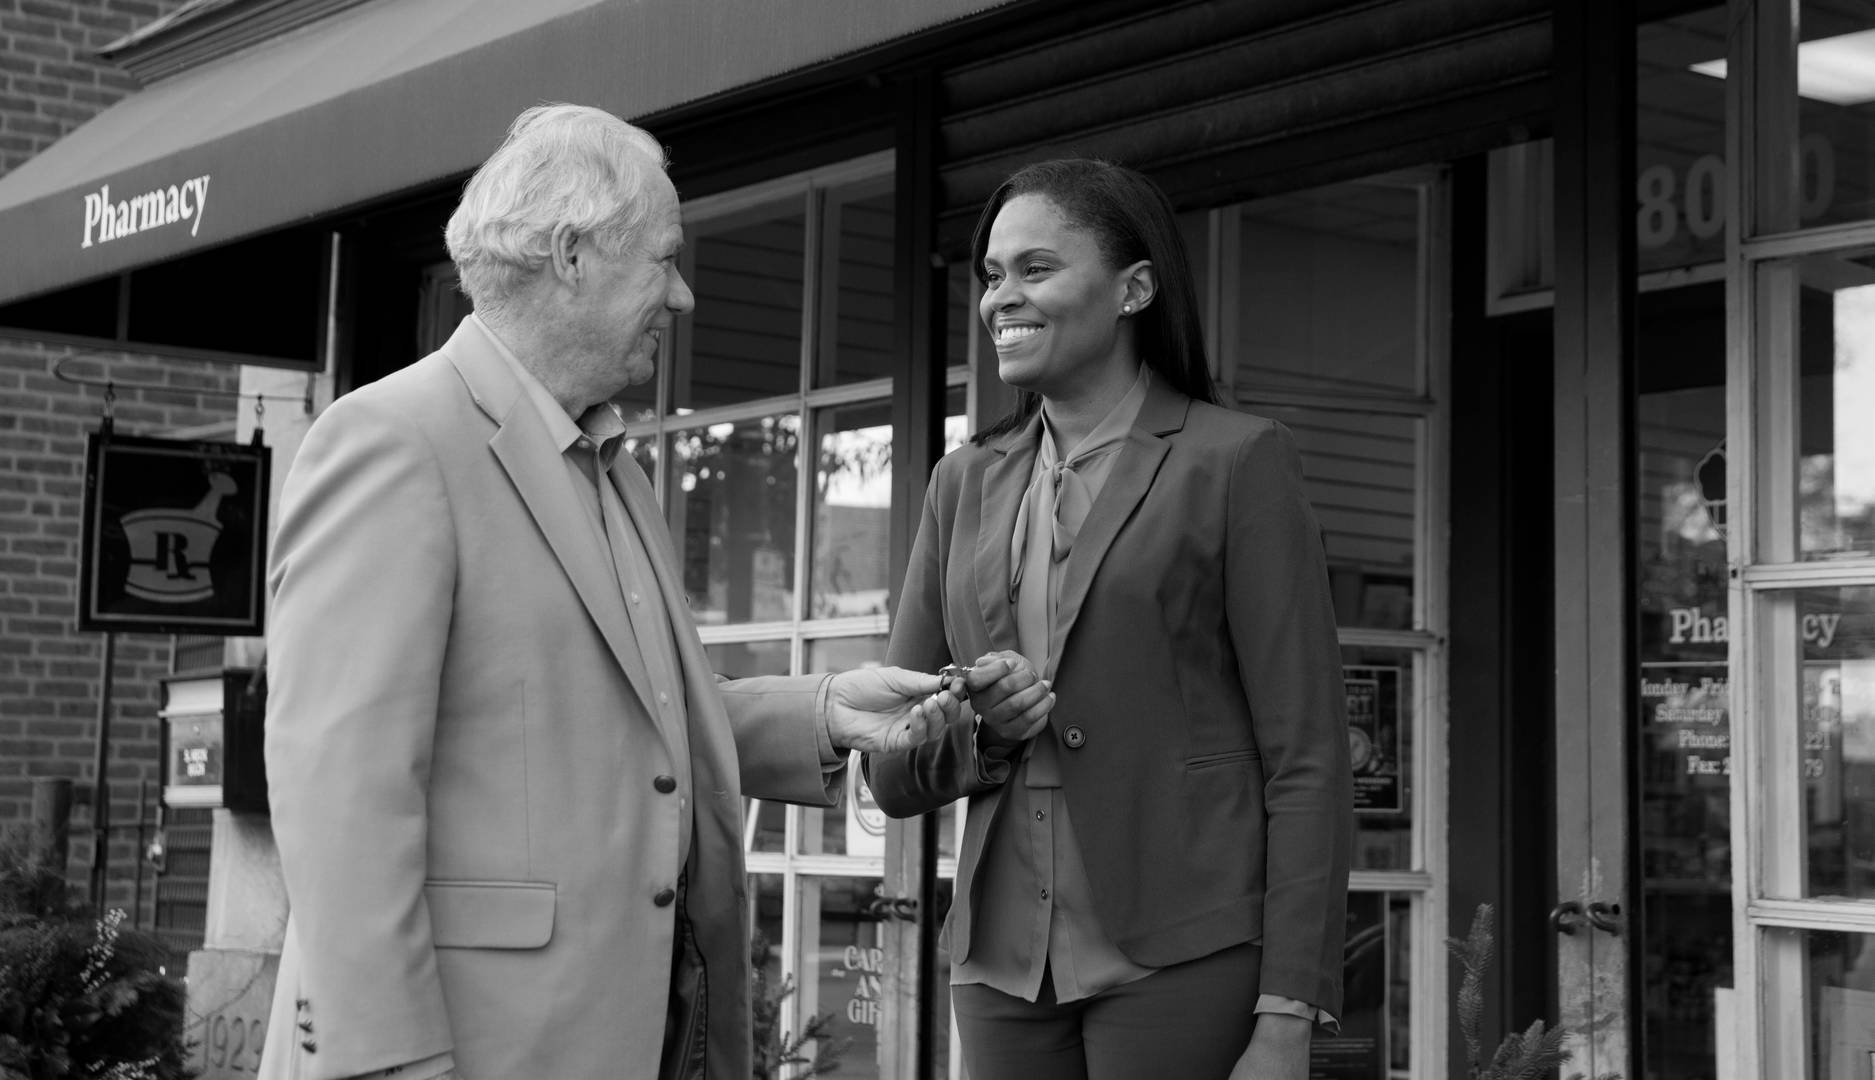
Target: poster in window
(174, 536)
(1374, 735)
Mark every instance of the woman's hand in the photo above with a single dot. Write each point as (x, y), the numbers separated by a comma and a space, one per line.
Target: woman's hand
(1278, 1050)
(1008, 697)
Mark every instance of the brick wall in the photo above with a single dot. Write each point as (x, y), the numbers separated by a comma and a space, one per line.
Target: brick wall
(50, 678)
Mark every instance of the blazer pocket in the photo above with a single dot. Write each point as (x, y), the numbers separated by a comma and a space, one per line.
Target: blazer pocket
(490, 914)
(1228, 757)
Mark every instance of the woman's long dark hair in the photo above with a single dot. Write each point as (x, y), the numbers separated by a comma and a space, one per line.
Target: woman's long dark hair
(1131, 219)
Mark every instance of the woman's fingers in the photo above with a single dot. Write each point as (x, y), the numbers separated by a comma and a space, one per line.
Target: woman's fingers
(1015, 712)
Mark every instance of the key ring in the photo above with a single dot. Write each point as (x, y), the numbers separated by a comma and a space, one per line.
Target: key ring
(959, 672)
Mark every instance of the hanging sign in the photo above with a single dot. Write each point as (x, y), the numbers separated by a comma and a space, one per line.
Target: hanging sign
(174, 538)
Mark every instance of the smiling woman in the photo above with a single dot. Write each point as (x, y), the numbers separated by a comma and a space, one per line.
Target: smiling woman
(1166, 851)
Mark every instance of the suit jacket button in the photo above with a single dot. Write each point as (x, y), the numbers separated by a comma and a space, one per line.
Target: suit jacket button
(664, 897)
(1074, 737)
(665, 784)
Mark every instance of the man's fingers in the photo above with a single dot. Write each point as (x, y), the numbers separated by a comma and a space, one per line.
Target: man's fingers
(912, 683)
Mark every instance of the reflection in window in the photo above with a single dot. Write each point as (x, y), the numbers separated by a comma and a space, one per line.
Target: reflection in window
(852, 511)
(1359, 472)
(743, 341)
(859, 346)
(731, 498)
(1827, 310)
(843, 968)
(1329, 296)
(1836, 735)
(1836, 114)
(1837, 1034)
(1684, 721)
(1376, 991)
(1835, 356)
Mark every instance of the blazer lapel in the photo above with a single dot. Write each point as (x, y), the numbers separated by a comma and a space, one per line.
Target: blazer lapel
(1004, 482)
(1162, 413)
(525, 450)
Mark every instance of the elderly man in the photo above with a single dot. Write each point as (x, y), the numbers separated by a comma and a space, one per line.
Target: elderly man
(506, 787)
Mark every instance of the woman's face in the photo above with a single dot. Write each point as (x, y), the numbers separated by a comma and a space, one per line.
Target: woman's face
(1050, 301)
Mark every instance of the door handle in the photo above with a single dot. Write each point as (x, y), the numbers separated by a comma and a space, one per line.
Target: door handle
(1605, 917)
(900, 908)
(1565, 917)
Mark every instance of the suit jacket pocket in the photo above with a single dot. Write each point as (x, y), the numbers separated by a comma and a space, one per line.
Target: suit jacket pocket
(1228, 757)
(490, 914)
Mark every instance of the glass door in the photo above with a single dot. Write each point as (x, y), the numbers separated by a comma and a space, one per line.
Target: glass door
(1802, 596)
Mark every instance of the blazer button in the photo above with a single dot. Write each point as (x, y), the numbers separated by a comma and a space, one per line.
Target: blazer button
(665, 784)
(1074, 737)
(664, 897)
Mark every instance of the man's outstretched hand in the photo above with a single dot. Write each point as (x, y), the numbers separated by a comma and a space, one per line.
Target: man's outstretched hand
(887, 709)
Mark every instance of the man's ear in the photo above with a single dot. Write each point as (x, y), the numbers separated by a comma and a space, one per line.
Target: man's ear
(1142, 286)
(565, 249)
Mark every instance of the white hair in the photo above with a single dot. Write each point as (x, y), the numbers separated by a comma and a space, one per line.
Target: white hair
(560, 165)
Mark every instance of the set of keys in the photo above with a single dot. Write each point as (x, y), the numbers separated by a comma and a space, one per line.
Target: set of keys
(958, 672)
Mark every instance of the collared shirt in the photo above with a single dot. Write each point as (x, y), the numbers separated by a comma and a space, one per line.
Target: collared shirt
(1039, 879)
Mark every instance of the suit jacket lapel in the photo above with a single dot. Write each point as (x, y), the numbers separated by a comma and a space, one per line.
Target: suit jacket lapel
(1004, 482)
(523, 446)
(1162, 413)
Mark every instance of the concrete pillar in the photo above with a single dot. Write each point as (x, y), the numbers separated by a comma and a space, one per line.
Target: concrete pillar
(231, 978)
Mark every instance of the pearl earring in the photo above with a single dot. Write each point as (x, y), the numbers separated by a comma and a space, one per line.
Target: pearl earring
(1126, 309)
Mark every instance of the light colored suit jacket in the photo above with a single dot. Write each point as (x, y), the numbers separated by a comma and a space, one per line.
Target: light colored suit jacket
(1197, 673)
(466, 758)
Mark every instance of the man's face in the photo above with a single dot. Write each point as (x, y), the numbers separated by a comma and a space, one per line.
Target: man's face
(628, 300)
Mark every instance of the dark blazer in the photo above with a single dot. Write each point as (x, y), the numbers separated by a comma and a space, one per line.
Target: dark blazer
(1198, 678)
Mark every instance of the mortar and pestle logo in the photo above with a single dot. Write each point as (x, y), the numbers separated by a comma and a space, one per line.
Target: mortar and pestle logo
(169, 547)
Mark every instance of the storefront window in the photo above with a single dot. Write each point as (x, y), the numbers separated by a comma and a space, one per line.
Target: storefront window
(1826, 1030)
(1324, 325)
(744, 342)
(1685, 743)
(731, 498)
(1360, 472)
(1835, 752)
(856, 340)
(1818, 315)
(1833, 78)
(852, 511)
(1382, 704)
(1330, 291)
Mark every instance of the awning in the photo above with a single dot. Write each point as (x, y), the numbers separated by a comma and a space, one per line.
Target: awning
(384, 97)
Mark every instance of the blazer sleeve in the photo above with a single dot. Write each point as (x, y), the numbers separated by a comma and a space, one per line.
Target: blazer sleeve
(934, 775)
(364, 565)
(1282, 629)
(782, 749)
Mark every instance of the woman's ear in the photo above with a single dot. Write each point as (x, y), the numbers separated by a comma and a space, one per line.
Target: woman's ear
(1142, 286)
(565, 247)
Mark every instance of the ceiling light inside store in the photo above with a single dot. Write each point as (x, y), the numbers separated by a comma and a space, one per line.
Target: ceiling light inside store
(1839, 70)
